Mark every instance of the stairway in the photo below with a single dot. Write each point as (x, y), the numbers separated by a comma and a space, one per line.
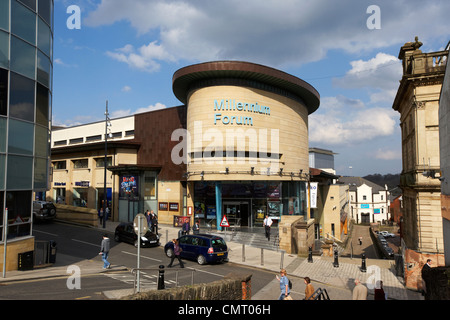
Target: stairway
(253, 237)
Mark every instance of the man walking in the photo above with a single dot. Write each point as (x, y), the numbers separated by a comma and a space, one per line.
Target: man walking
(267, 223)
(360, 291)
(104, 251)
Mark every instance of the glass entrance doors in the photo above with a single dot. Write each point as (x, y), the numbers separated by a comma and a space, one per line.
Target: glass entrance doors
(237, 212)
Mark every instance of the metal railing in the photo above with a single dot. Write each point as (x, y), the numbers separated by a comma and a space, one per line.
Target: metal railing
(160, 277)
(319, 294)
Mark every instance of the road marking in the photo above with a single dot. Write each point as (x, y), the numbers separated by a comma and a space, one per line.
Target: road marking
(91, 244)
(134, 254)
(51, 234)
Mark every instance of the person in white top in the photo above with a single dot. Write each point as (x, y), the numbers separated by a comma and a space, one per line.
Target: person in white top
(267, 223)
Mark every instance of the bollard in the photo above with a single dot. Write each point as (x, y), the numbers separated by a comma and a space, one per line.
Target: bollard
(310, 258)
(161, 285)
(262, 256)
(336, 262)
(243, 252)
(363, 263)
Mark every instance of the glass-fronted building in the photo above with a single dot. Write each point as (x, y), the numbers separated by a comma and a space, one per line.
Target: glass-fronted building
(26, 45)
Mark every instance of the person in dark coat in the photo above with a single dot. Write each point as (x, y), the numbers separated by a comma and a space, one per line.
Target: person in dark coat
(176, 254)
(104, 251)
(426, 281)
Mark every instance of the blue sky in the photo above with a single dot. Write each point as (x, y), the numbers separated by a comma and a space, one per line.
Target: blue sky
(127, 51)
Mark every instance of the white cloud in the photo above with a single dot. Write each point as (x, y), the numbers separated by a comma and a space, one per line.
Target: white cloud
(388, 154)
(126, 89)
(381, 72)
(157, 106)
(291, 32)
(342, 123)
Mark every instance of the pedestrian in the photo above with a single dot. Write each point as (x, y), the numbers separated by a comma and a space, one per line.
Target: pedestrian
(196, 227)
(108, 212)
(149, 219)
(185, 227)
(154, 221)
(309, 290)
(101, 215)
(426, 281)
(104, 251)
(267, 223)
(359, 291)
(379, 293)
(176, 254)
(360, 240)
(284, 286)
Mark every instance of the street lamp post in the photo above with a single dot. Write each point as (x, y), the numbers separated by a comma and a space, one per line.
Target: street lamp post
(105, 198)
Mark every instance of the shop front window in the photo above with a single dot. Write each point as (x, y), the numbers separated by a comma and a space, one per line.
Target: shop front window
(80, 196)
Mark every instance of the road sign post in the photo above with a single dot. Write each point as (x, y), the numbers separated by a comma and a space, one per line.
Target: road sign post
(224, 223)
(140, 228)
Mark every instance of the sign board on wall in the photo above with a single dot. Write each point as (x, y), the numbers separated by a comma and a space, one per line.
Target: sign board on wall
(163, 206)
(313, 194)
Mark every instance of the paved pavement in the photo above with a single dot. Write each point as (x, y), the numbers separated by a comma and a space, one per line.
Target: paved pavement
(321, 271)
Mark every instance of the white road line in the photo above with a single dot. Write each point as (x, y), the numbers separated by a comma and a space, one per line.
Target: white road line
(52, 234)
(91, 244)
(134, 254)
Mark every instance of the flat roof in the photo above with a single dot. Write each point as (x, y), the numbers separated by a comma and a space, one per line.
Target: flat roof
(185, 77)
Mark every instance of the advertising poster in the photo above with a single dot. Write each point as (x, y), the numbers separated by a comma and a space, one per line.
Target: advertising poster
(313, 194)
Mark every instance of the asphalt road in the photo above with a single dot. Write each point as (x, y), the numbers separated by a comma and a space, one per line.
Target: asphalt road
(80, 243)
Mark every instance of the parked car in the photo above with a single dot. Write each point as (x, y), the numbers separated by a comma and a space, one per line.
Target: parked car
(203, 248)
(387, 234)
(125, 232)
(389, 251)
(43, 210)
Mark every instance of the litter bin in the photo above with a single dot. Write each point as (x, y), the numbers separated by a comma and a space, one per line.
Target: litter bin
(52, 252)
(25, 261)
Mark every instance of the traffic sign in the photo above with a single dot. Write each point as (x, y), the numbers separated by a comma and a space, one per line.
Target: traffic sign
(224, 222)
(140, 225)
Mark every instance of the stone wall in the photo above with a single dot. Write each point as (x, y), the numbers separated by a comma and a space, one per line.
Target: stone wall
(77, 214)
(232, 287)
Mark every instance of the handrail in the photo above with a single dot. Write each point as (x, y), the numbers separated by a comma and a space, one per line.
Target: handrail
(319, 294)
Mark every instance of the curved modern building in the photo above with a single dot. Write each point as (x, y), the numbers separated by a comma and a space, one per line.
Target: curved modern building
(247, 140)
(26, 45)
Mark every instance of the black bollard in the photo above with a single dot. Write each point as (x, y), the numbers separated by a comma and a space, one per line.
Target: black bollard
(310, 258)
(363, 263)
(161, 285)
(336, 262)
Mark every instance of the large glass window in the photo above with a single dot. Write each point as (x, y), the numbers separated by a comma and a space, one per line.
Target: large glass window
(19, 213)
(20, 137)
(150, 185)
(21, 103)
(2, 134)
(40, 174)
(2, 174)
(23, 22)
(45, 10)
(41, 142)
(4, 49)
(20, 172)
(44, 69)
(42, 105)
(4, 15)
(44, 37)
(3, 92)
(23, 57)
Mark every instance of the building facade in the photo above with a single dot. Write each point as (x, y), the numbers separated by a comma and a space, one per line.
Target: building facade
(247, 141)
(26, 55)
(369, 202)
(417, 101)
(444, 149)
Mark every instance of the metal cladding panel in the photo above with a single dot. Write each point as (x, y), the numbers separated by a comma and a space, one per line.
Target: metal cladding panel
(154, 130)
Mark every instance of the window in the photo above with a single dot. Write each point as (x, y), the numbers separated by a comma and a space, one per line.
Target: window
(23, 57)
(2, 134)
(44, 69)
(94, 138)
(59, 165)
(20, 172)
(150, 185)
(19, 209)
(45, 10)
(4, 49)
(76, 140)
(43, 106)
(364, 197)
(20, 137)
(3, 92)
(41, 141)
(21, 103)
(23, 22)
(4, 15)
(100, 162)
(129, 133)
(44, 37)
(60, 143)
(40, 174)
(80, 164)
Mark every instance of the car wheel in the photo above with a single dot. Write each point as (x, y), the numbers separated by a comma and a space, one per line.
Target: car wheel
(201, 259)
(169, 253)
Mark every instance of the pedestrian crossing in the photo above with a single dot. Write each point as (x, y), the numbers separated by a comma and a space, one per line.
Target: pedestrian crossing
(147, 280)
